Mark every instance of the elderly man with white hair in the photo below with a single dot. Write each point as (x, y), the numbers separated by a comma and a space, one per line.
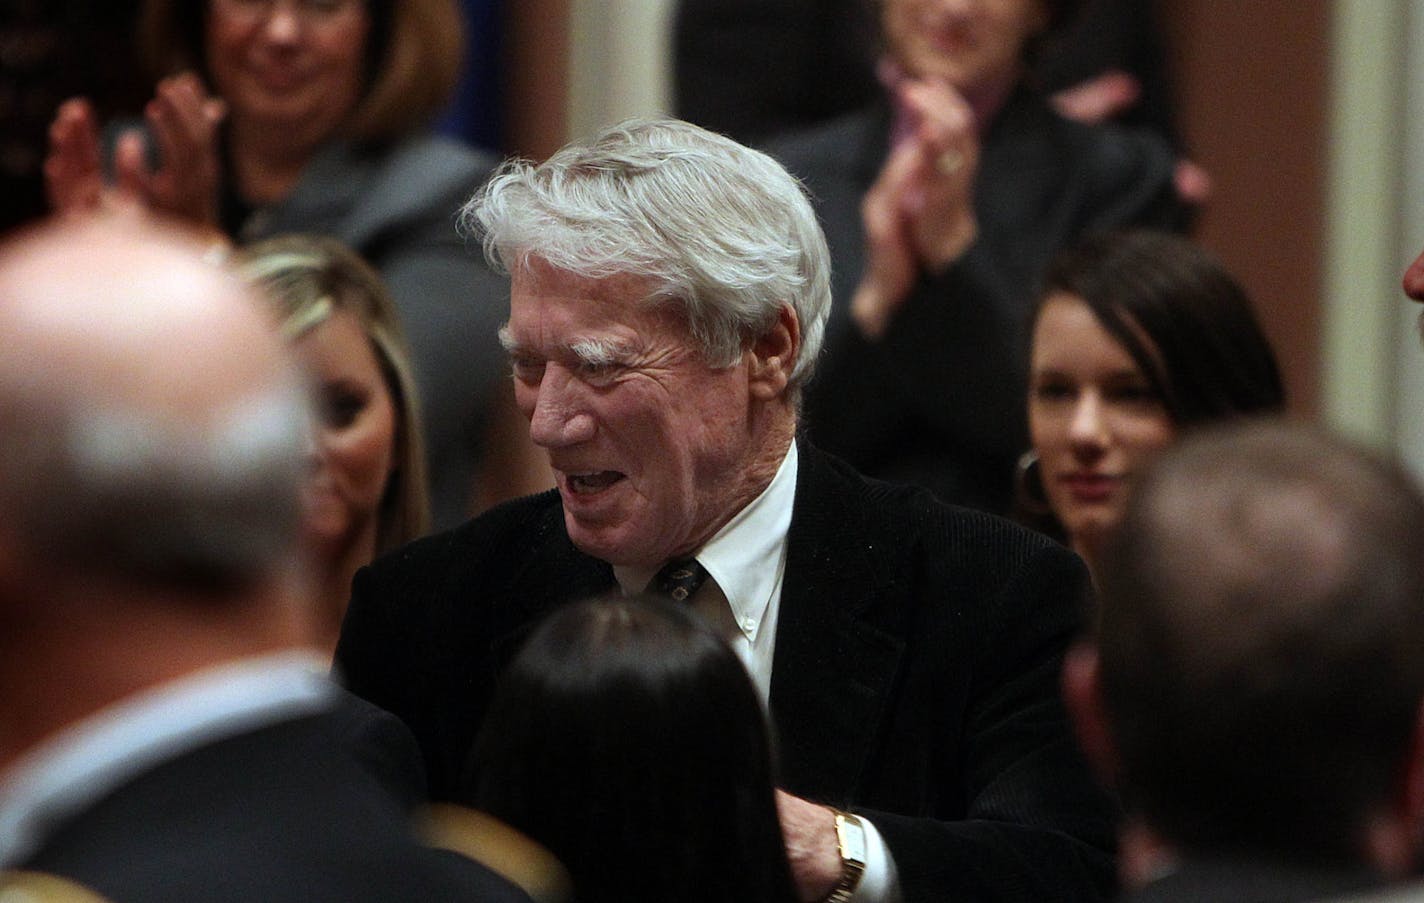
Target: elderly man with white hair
(670, 289)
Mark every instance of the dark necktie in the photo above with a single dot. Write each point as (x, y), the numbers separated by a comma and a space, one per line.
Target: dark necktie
(678, 579)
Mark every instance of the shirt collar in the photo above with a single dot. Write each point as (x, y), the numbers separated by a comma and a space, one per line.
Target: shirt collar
(747, 556)
(87, 760)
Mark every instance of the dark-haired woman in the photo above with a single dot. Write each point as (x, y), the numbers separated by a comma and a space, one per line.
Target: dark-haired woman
(628, 740)
(1139, 336)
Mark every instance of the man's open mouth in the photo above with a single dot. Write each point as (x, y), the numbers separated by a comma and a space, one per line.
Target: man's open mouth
(587, 483)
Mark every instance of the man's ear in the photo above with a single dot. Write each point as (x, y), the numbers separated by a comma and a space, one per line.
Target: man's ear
(1083, 697)
(772, 356)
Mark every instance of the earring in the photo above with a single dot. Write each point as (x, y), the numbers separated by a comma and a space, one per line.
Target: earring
(1028, 485)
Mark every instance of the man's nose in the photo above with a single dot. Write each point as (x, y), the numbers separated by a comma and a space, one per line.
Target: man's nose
(558, 418)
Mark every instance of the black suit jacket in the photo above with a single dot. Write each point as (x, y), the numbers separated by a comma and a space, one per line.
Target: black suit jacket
(939, 399)
(915, 675)
(1244, 881)
(282, 813)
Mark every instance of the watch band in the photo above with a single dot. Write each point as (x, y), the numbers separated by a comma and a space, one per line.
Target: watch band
(850, 838)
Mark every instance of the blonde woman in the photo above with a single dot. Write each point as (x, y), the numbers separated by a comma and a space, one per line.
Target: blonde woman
(365, 492)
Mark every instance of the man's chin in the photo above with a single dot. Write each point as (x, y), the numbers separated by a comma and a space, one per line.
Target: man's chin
(610, 542)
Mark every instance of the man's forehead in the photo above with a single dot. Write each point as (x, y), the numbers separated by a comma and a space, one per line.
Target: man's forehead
(566, 309)
(541, 281)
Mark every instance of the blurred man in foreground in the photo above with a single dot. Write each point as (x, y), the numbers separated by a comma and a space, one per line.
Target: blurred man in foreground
(166, 734)
(1256, 683)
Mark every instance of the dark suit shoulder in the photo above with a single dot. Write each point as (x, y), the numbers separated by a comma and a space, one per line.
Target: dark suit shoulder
(511, 528)
(430, 626)
(948, 568)
(425, 599)
(280, 813)
(1118, 175)
(912, 518)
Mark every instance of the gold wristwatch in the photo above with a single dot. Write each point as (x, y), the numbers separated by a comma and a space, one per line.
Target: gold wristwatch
(850, 838)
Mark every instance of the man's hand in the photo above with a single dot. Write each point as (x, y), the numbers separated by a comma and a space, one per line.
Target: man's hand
(811, 845)
(919, 213)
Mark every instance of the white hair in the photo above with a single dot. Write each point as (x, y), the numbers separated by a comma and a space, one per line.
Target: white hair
(723, 230)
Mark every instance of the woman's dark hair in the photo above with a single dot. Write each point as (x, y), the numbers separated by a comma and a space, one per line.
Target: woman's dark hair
(1186, 323)
(628, 740)
(413, 57)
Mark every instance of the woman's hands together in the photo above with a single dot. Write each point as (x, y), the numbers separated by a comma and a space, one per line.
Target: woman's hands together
(919, 214)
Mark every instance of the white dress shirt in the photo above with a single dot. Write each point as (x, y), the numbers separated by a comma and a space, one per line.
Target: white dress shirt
(87, 760)
(746, 563)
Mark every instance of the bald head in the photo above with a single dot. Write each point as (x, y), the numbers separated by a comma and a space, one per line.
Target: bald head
(150, 425)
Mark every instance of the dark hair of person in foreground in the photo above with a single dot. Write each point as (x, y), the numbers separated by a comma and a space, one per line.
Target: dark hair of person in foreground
(628, 739)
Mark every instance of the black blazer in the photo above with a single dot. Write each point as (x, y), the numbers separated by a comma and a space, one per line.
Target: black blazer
(939, 399)
(1242, 881)
(282, 813)
(915, 674)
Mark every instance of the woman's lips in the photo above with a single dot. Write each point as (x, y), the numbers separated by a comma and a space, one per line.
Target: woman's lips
(278, 79)
(1091, 487)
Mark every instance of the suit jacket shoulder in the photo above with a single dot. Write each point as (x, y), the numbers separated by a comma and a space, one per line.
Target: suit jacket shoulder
(276, 814)
(431, 626)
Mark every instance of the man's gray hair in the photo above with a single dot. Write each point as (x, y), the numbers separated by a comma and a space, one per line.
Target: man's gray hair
(125, 493)
(723, 230)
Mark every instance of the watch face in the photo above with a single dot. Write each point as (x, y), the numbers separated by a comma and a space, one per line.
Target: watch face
(851, 836)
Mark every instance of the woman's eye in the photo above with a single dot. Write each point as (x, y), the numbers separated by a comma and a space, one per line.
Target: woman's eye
(340, 408)
(1052, 391)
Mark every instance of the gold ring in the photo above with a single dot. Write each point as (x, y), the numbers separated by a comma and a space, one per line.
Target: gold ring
(949, 162)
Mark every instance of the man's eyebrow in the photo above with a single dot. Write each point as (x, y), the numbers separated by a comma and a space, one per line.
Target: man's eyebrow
(594, 351)
(600, 351)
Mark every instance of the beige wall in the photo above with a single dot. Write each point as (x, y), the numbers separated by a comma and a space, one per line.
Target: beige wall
(619, 61)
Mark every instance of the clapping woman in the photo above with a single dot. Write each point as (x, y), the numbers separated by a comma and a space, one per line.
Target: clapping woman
(279, 116)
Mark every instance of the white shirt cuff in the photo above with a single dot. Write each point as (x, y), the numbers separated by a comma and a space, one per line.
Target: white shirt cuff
(880, 882)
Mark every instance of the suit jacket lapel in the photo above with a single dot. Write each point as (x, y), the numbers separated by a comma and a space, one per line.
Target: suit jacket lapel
(556, 573)
(838, 642)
